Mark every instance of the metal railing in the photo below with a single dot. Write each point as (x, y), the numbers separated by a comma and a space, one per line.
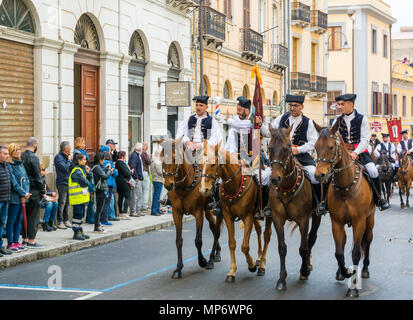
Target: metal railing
(279, 55)
(251, 42)
(318, 84)
(300, 81)
(319, 19)
(213, 23)
(301, 12)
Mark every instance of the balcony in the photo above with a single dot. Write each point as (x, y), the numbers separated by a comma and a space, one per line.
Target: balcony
(318, 21)
(183, 5)
(279, 59)
(318, 86)
(251, 45)
(213, 29)
(300, 82)
(300, 14)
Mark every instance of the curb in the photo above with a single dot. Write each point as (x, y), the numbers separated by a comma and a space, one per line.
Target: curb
(89, 243)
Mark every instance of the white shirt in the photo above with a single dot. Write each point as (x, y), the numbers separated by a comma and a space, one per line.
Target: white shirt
(198, 136)
(364, 132)
(386, 144)
(236, 125)
(180, 130)
(399, 146)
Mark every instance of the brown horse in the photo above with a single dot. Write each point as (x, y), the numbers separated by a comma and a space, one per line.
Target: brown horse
(238, 192)
(405, 177)
(181, 179)
(291, 198)
(350, 201)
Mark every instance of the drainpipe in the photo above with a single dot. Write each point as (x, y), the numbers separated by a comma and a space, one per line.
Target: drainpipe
(391, 73)
(195, 50)
(59, 77)
(120, 82)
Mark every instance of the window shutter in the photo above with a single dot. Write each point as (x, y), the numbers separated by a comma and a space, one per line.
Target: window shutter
(379, 103)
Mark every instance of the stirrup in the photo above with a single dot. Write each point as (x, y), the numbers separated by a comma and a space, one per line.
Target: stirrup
(267, 212)
(321, 209)
(383, 205)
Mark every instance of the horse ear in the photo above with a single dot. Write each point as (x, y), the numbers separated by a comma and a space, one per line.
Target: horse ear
(317, 127)
(335, 127)
(289, 130)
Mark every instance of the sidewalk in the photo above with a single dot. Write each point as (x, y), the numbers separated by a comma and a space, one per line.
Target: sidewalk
(60, 242)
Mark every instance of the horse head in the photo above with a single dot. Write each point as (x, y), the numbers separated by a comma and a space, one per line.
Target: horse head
(210, 160)
(404, 162)
(280, 153)
(385, 163)
(171, 156)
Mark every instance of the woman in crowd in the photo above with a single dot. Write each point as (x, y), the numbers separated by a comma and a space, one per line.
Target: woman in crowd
(157, 180)
(19, 196)
(123, 185)
(80, 146)
(101, 175)
(49, 204)
(79, 196)
(108, 212)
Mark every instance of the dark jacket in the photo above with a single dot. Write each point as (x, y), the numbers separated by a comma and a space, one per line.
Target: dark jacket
(115, 155)
(136, 163)
(78, 177)
(47, 190)
(102, 174)
(146, 160)
(5, 182)
(124, 176)
(32, 165)
(62, 165)
(19, 181)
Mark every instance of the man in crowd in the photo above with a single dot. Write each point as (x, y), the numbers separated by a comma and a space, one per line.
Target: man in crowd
(389, 148)
(146, 161)
(406, 144)
(135, 164)
(5, 191)
(374, 141)
(62, 163)
(113, 152)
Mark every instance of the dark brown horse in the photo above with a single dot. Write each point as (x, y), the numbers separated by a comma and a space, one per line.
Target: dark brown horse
(291, 198)
(238, 192)
(350, 201)
(181, 179)
(405, 177)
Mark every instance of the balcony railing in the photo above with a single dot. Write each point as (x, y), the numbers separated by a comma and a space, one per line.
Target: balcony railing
(251, 44)
(213, 24)
(300, 81)
(300, 14)
(318, 84)
(319, 21)
(279, 56)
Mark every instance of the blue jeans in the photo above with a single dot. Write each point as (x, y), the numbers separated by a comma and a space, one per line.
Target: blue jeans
(50, 210)
(90, 215)
(78, 214)
(106, 208)
(111, 213)
(14, 222)
(4, 207)
(157, 189)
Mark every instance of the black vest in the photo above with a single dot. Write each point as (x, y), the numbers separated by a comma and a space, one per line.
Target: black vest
(403, 144)
(206, 125)
(383, 147)
(355, 128)
(300, 133)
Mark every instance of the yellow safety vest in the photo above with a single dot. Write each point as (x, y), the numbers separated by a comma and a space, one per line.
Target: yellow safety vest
(77, 194)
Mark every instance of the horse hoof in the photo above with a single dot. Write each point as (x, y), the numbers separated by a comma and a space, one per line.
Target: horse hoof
(339, 277)
(253, 269)
(352, 293)
(230, 279)
(281, 286)
(302, 277)
(203, 263)
(402, 206)
(365, 274)
(261, 272)
(217, 258)
(257, 263)
(210, 266)
(407, 206)
(310, 267)
(177, 275)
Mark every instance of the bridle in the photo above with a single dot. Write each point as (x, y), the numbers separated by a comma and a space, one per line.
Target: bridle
(284, 163)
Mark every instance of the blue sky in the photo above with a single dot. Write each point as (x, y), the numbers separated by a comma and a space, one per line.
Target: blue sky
(402, 10)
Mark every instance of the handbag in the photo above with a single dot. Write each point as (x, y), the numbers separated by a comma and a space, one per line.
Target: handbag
(132, 184)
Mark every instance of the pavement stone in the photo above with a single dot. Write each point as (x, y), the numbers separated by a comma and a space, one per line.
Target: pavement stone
(60, 242)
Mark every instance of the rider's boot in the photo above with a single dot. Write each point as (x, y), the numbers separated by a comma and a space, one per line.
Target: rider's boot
(258, 214)
(380, 202)
(322, 207)
(215, 204)
(266, 202)
(395, 178)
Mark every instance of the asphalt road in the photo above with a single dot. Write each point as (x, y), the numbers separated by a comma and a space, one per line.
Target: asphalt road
(141, 268)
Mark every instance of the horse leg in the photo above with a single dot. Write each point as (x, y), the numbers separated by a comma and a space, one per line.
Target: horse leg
(177, 216)
(267, 238)
(312, 237)
(231, 245)
(304, 251)
(213, 227)
(401, 195)
(199, 220)
(339, 235)
(409, 183)
(282, 251)
(245, 248)
(258, 230)
(367, 238)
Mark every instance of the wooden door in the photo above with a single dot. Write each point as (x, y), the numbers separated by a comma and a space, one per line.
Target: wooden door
(89, 112)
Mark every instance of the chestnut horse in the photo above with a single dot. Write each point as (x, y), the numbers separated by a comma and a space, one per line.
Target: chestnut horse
(405, 177)
(181, 179)
(238, 192)
(350, 201)
(291, 198)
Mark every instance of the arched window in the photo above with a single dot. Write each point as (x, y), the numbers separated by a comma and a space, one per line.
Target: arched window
(227, 90)
(246, 91)
(86, 34)
(275, 98)
(207, 87)
(275, 24)
(136, 47)
(15, 14)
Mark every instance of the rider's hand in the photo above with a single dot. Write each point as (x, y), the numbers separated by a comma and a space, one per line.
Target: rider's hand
(189, 145)
(353, 156)
(295, 150)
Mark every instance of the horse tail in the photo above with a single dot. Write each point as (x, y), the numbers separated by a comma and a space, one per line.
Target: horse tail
(295, 227)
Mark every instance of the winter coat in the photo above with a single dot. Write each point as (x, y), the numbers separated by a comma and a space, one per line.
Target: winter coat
(136, 163)
(32, 165)
(19, 181)
(156, 170)
(123, 177)
(5, 182)
(101, 174)
(62, 165)
(112, 179)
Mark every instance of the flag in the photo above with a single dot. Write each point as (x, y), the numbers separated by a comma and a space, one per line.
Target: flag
(257, 100)
(394, 127)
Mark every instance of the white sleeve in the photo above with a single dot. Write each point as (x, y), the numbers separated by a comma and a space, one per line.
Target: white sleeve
(185, 139)
(312, 136)
(411, 149)
(239, 124)
(265, 132)
(393, 150)
(215, 133)
(230, 144)
(364, 136)
(180, 130)
(399, 148)
(276, 123)
(376, 151)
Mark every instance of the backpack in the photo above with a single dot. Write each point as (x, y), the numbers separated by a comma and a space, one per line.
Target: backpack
(97, 186)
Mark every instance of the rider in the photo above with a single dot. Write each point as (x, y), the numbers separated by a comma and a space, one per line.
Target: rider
(374, 141)
(303, 135)
(391, 152)
(405, 144)
(355, 131)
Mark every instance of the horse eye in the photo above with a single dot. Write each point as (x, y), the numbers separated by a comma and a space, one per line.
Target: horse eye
(331, 148)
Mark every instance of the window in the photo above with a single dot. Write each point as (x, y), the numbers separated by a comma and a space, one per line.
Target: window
(376, 103)
(334, 38)
(274, 24)
(295, 54)
(404, 106)
(314, 58)
(227, 90)
(385, 46)
(374, 41)
(411, 107)
(395, 104)
(331, 98)
(246, 13)
(263, 17)
(228, 9)
(387, 104)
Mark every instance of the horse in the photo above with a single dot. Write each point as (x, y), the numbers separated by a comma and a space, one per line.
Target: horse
(238, 192)
(405, 177)
(291, 198)
(386, 174)
(350, 201)
(181, 179)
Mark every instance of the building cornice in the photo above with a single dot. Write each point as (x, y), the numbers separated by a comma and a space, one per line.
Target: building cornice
(18, 36)
(402, 84)
(57, 45)
(369, 8)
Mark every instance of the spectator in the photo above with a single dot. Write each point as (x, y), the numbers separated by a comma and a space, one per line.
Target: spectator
(49, 204)
(123, 185)
(157, 180)
(108, 212)
(32, 166)
(5, 194)
(146, 161)
(135, 164)
(100, 174)
(112, 149)
(62, 163)
(20, 187)
(78, 193)
(80, 146)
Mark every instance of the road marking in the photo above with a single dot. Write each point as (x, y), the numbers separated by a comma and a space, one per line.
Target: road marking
(43, 288)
